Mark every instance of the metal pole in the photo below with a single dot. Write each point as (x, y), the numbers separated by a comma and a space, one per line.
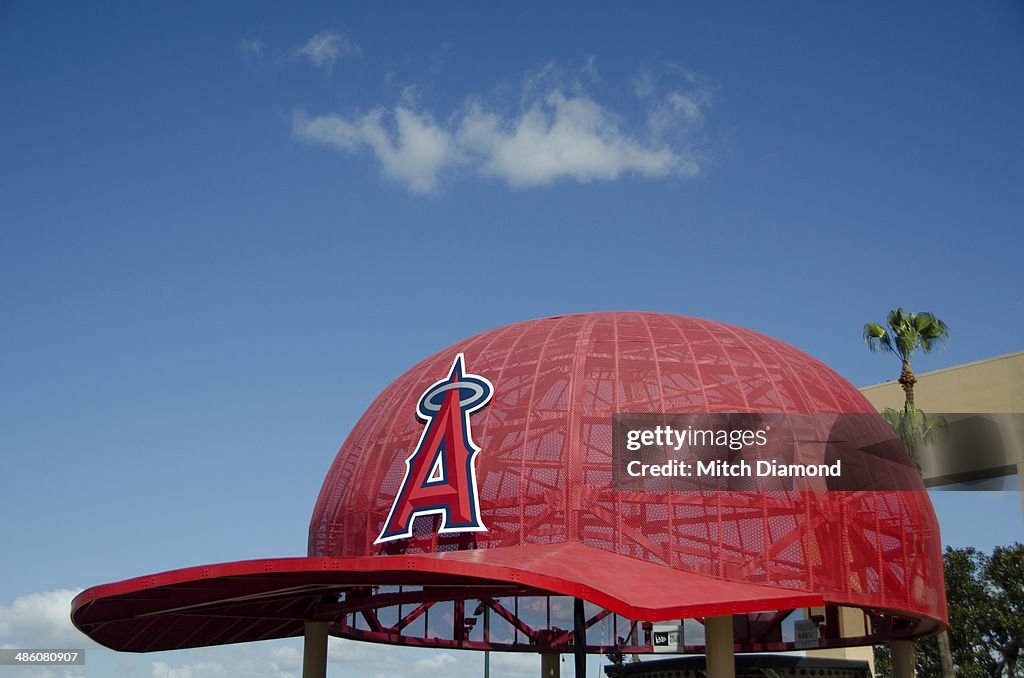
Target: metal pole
(579, 637)
(314, 650)
(718, 646)
(634, 641)
(902, 658)
(487, 639)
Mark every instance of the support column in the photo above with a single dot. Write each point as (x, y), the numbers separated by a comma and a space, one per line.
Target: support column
(487, 639)
(549, 665)
(902, 658)
(579, 638)
(718, 645)
(314, 650)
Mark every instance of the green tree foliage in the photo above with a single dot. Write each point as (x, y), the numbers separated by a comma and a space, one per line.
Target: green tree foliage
(1005, 574)
(986, 611)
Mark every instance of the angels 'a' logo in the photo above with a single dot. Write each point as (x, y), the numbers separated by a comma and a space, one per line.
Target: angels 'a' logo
(440, 477)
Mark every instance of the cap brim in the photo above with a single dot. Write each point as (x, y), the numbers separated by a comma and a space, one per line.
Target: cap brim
(263, 599)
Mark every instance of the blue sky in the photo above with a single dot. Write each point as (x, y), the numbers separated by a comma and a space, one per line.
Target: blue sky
(224, 230)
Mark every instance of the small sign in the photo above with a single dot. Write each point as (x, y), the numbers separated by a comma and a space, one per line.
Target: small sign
(666, 638)
(806, 634)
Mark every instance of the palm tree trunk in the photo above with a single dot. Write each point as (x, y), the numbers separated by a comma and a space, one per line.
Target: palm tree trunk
(945, 656)
(907, 381)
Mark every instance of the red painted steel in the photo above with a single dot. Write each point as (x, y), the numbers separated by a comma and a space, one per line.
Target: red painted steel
(545, 470)
(217, 595)
(555, 524)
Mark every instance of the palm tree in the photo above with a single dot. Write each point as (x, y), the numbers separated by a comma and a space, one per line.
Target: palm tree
(914, 429)
(908, 333)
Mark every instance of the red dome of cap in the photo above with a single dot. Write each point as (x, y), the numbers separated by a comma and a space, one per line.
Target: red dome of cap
(544, 470)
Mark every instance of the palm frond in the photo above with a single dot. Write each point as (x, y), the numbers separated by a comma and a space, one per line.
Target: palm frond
(914, 429)
(934, 429)
(893, 417)
(877, 338)
(895, 318)
(932, 332)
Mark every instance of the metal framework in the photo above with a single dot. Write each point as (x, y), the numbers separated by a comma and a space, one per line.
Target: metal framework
(557, 530)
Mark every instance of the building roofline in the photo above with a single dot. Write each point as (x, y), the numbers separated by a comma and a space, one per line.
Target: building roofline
(1005, 356)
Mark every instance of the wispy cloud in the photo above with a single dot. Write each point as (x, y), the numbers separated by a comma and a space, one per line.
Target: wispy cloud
(276, 659)
(643, 84)
(411, 148)
(324, 49)
(561, 137)
(253, 666)
(559, 132)
(283, 659)
(251, 48)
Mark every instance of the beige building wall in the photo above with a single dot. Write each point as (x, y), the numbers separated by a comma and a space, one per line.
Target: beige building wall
(851, 625)
(992, 385)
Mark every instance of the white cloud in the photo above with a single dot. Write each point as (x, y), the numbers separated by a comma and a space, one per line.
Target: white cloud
(164, 670)
(560, 137)
(560, 132)
(643, 84)
(411, 148)
(42, 672)
(41, 620)
(438, 664)
(283, 659)
(256, 660)
(324, 49)
(253, 48)
(589, 69)
(251, 667)
(344, 650)
(515, 664)
(288, 657)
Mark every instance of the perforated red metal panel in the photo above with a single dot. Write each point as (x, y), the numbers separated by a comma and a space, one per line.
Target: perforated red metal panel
(544, 471)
